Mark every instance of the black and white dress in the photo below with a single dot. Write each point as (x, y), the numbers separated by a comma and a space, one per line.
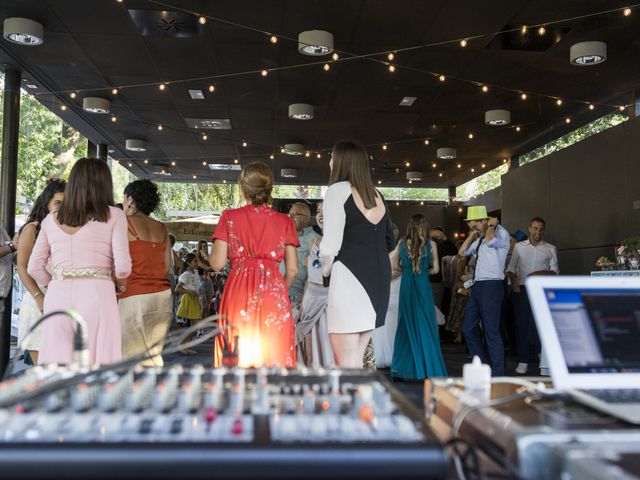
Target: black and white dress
(354, 252)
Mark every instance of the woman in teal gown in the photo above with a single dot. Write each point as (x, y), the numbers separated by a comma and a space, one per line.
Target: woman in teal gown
(416, 352)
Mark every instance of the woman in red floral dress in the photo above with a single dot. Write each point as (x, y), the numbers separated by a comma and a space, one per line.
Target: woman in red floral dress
(255, 304)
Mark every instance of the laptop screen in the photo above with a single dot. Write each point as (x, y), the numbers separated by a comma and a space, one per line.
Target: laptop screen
(598, 329)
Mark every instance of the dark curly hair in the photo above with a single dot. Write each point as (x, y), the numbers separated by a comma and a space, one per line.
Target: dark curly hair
(40, 210)
(145, 194)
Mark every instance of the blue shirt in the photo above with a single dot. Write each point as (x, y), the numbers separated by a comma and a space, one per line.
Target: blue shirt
(492, 255)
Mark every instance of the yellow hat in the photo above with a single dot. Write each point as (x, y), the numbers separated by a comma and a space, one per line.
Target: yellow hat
(477, 212)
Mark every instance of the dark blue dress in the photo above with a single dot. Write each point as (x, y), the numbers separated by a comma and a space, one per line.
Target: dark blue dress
(416, 350)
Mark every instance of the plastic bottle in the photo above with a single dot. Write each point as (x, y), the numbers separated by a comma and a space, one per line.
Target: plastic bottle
(477, 379)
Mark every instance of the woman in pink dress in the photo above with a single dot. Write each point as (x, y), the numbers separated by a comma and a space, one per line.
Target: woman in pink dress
(255, 303)
(89, 249)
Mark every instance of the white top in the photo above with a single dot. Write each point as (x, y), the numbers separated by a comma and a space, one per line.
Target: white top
(191, 280)
(528, 258)
(334, 218)
(492, 255)
(6, 270)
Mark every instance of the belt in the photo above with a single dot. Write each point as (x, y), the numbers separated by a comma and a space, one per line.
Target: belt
(86, 273)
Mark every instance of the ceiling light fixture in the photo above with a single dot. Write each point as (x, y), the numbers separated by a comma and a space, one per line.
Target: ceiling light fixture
(463, 43)
(485, 89)
(471, 136)
(335, 56)
(621, 108)
(288, 173)
(135, 145)
(73, 95)
(63, 107)
(567, 120)
(591, 106)
(273, 39)
(244, 143)
(523, 96)
(264, 73)
(497, 117)
(326, 67)
(442, 78)
(114, 91)
(162, 86)
(23, 31)
(96, 105)
(385, 147)
(114, 119)
(390, 57)
(559, 102)
(626, 12)
(542, 30)
(407, 101)
(587, 53)
(196, 94)
(392, 68)
(426, 142)
(446, 153)
(301, 111)
(315, 42)
(294, 149)
(160, 127)
(202, 20)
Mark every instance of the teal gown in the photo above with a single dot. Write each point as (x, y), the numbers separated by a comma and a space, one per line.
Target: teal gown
(416, 350)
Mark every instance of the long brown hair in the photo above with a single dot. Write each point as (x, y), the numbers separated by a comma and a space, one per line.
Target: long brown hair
(88, 195)
(256, 183)
(351, 163)
(417, 237)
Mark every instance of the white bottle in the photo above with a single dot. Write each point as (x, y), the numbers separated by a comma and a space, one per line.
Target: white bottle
(477, 379)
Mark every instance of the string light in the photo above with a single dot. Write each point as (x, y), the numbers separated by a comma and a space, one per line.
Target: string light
(567, 120)
(272, 157)
(518, 129)
(483, 166)
(407, 164)
(212, 88)
(307, 154)
(410, 182)
(523, 96)
(160, 127)
(442, 78)
(463, 43)
(282, 150)
(392, 68)
(523, 30)
(541, 31)
(591, 106)
(559, 102)
(264, 72)
(204, 136)
(274, 39)
(440, 174)
(621, 108)
(434, 165)
(114, 119)
(173, 163)
(504, 160)
(379, 182)
(470, 136)
(485, 89)
(473, 170)
(326, 67)
(73, 95)
(146, 162)
(384, 147)
(235, 160)
(459, 165)
(204, 164)
(244, 143)
(63, 107)
(162, 86)
(390, 57)
(194, 177)
(421, 203)
(130, 164)
(426, 142)
(114, 91)
(224, 181)
(335, 56)
(319, 155)
(626, 12)
(202, 20)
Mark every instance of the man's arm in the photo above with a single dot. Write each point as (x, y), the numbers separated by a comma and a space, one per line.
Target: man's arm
(467, 243)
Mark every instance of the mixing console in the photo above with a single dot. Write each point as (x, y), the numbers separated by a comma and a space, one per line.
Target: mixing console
(203, 423)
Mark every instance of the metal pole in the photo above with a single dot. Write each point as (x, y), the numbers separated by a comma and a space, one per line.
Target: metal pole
(8, 186)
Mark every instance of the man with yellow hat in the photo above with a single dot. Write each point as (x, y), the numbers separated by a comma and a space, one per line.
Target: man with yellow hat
(489, 243)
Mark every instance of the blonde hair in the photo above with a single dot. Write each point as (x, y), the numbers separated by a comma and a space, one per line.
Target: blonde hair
(417, 237)
(256, 183)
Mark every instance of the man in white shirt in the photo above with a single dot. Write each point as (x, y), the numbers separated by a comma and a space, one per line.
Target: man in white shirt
(489, 242)
(7, 251)
(530, 257)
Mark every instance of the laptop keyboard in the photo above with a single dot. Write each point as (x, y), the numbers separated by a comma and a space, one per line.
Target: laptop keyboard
(623, 395)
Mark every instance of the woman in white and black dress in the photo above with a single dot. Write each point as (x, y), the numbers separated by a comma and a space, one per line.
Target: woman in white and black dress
(358, 236)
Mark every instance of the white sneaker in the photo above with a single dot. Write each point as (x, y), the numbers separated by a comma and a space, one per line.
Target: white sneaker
(521, 369)
(544, 372)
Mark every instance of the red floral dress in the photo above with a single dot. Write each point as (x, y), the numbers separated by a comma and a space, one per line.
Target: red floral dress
(255, 304)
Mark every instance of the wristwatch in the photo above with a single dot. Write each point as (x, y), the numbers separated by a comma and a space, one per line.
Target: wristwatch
(11, 246)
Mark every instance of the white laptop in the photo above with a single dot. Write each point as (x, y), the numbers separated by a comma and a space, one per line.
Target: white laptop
(590, 331)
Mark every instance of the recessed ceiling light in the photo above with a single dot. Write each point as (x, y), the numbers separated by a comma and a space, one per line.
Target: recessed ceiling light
(407, 101)
(209, 123)
(588, 53)
(32, 86)
(96, 105)
(196, 94)
(23, 31)
(294, 149)
(301, 111)
(135, 145)
(288, 173)
(497, 117)
(315, 42)
(446, 153)
(224, 166)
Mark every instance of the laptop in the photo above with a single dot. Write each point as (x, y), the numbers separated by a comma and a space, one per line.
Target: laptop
(590, 331)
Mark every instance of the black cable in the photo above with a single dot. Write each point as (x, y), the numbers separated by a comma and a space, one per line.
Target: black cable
(470, 460)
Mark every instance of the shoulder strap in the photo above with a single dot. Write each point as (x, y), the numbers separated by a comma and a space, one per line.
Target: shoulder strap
(132, 229)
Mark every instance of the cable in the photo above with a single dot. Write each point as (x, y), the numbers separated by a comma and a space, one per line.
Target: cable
(460, 458)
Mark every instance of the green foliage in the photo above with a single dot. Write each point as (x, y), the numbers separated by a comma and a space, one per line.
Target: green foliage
(195, 196)
(390, 193)
(483, 183)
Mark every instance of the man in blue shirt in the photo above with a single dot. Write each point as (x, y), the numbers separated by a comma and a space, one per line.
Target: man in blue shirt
(489, 242)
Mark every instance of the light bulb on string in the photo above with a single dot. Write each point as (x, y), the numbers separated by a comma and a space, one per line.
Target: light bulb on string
(542, 31)
(407, 164)
(272, 157)
(202, 20)
(471, 136)
(392, 68)
(160, 127)
(559, 102)
(483, 165)
(485, 89)
(426, 142)
(282, 150)
(463, 43)
(264, 72)
(326, 67)
(212, 88)
(244, 143)
(204, 136)
(379, 182)
(473, 170)
(173, 163)
(626, 12)
(567, 120)
(523, 30)
(518, 128)
(621, 108)
(114, 119)
(459, 165)
(434, 165)
(335, 56)
(114, 91)
(63, 107)
(204, 164)
(440, 174)
(162, 86)
(235, 160)
(194, 177)
(130, 164)
(591, 106)
(442, 78)
(319, 155)
(73, 95)
(391, 57)
(146, 162)
(273, 39)
(307, 154)
(523, 96)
